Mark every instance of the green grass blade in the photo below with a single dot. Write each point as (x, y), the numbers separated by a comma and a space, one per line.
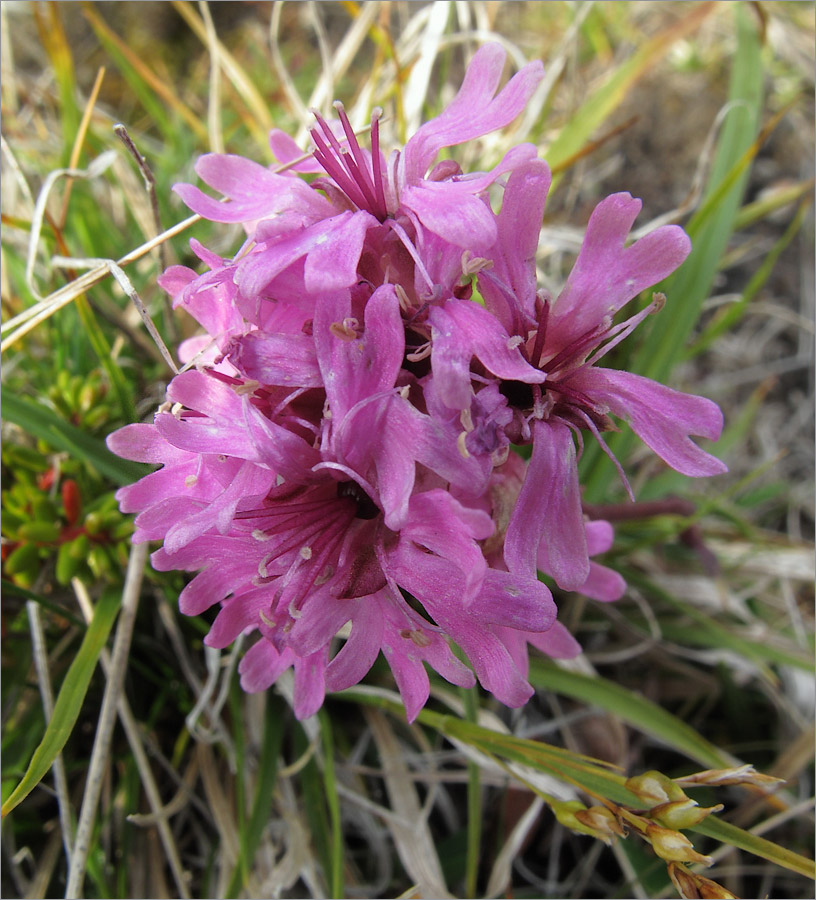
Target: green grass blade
(632, 708)
(336, 888)
(733, 313)
(313, 801)
(41, 422)
(603, 101)
(102, 348)
(264, 790)
(710, 230)
(736, 837)
(70, 699)
(711, 227)
(474, 803)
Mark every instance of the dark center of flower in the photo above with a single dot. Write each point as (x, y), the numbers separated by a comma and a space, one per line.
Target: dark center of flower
(366, 507)
(519, 394)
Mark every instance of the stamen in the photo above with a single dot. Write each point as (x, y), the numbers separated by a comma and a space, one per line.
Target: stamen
(333, 161)
(541, 334)
(348, 167)
(605, 447)
(413, 251)
(574, 350)
(624, 329)
(375, 160)
(360, 170)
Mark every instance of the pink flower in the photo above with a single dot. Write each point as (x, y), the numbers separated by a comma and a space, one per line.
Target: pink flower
(315, 502)
(294, 226)
(558, 390)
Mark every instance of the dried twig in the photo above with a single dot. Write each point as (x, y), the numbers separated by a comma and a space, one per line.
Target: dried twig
(40, 654)
(107, 717)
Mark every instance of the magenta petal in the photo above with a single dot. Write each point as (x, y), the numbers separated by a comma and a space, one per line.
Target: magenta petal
(355, 368)
(548, 511)
(557, 642)
(332, 247)
(494, 664)
(442, 525)
(603, 584)
(212, 585)
(236, 615)
(362, 647)
(513, 602)
(254, 191)
(249, 486)
(286, 151)
(474, 327)
(143, 443)
(600, 536)
(332, 262)
(475, 110)
(606, 275)
(661, 417)
(276, 359)
(175, 278)
(310, 684)
(462, 219)
(261, 666)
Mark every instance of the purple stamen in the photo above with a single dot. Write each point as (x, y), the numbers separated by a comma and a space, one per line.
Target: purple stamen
(333, 164)
(348, 167)
(574, 350)
(375, 161)
(541, 334)
(361, 168)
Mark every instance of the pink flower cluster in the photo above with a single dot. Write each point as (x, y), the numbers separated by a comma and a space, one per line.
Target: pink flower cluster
(338, 460)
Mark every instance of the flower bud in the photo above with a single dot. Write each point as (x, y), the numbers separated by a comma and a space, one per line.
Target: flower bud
(745, 774)
(682, 813)
(673, 846)
(654, 787)
(597, 822)
(602, 822)
(691, 886)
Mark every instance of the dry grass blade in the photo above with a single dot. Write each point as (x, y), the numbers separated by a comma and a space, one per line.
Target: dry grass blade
(34, 315)
(260, 122)
(502, 868)
(214, 97)
(40, 653)
(414, 844)
(160, 813)
(107, 717)
(224, 814)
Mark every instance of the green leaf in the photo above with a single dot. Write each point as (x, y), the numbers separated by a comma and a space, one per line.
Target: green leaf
(592, 775)
(336, 888)
(70, 699)
(41, 422)
(602, 101)
(10, 589)
(632, 708)
(736, 837)
(264, 789)
(734, 312)
(710, 230)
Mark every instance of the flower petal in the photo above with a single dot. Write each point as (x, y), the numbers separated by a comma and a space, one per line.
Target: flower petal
(474, 110)
(606, 275)
(548, 511)
(661, 417)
